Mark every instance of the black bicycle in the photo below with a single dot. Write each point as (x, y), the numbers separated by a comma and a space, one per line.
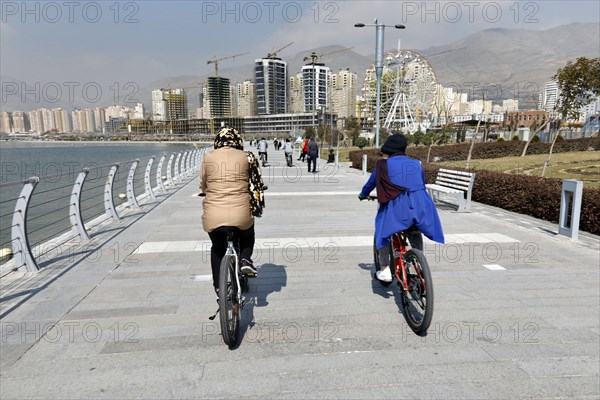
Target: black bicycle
(232, 283)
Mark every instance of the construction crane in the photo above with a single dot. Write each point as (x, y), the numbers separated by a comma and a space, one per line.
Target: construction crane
(274, 53)
(216, 61)
(314, 56)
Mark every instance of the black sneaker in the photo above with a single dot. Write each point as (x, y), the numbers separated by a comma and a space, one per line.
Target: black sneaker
(248, 268)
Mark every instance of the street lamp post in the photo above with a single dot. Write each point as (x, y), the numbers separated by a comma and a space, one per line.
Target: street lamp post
(379, 29)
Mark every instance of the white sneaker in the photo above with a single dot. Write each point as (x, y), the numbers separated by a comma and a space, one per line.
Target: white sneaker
(385, 275)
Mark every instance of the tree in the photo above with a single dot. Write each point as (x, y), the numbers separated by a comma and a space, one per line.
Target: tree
(361, 142)
(579, 83)
(353, 128)
(309, 133)
(535, 129)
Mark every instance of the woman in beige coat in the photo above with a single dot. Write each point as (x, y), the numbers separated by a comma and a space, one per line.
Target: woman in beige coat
(230, 180)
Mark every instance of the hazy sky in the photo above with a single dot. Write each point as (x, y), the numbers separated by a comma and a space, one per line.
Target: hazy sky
(142, 41)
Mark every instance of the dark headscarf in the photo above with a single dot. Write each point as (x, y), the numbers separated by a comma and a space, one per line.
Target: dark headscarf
(395, 145)
(229, 137)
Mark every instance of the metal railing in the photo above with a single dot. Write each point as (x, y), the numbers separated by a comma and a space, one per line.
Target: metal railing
(64, 215)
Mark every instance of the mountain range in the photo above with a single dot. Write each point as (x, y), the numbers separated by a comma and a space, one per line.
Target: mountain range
(510, 63)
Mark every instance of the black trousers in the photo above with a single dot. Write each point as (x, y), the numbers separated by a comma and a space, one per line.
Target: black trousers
(313, 161)
(218, 237)
(266, 155)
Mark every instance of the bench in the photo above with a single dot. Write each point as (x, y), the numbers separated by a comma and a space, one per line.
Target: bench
(454, 183)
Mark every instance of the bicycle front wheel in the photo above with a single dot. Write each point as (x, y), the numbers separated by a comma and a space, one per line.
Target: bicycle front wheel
(417, 303)
(229, 308)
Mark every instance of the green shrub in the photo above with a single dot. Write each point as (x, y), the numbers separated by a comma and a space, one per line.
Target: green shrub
(500, 139)
(516, 138)
(535, 139)
(560, 138)
(361, 142)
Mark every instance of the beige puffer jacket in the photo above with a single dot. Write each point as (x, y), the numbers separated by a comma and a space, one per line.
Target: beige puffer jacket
(224, 179)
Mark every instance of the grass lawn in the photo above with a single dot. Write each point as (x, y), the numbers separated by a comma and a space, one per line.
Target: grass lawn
(344, 151)
(580, 165)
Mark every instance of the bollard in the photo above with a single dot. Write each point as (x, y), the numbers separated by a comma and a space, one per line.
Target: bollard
(364, 165)
(570, 208)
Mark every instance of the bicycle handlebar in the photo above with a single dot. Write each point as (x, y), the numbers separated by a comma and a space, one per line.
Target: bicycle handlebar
(370, 198)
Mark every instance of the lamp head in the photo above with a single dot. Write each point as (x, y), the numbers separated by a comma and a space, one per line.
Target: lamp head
(359, 25)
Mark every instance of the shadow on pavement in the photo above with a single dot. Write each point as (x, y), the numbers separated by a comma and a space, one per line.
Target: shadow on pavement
(271, 278)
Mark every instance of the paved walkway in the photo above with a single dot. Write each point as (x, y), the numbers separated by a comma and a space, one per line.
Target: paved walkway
(516, 308)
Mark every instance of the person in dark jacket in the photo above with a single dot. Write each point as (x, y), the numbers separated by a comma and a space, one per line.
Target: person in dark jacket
(403, 202)
(313, 154)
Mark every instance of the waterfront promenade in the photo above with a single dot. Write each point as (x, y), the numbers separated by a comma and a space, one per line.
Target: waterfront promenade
(516, 307)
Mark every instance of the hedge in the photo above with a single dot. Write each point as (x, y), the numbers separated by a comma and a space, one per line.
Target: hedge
(523, 194)
(458, 152)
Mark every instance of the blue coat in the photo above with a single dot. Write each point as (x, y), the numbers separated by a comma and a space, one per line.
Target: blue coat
(412, 207)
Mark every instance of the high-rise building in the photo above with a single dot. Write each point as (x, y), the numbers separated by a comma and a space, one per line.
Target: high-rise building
(5, 122)
(62, 119)
(169, 104)
(246, 99)
(48, 120)
(99, 117)
(271, 86)
(139, 111)
(20, 122)
(219, 97)
(343, 93)
(550, 97)
(315, 86)
(296, 94)
(116, 112)
(37, 121)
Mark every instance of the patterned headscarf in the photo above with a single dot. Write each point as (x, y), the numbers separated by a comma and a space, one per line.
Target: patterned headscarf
(229, 137)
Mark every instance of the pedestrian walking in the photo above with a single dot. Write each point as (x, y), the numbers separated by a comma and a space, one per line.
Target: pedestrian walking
(313, 154)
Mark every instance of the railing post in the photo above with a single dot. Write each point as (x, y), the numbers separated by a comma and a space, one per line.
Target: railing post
(131, 200)
(177, 178)
(364, 164)
(75, 217)
(20, 243)
(147, 183)
(159, 182)
(169, 174)
(183, 164)
(109, 204)
(188, 163)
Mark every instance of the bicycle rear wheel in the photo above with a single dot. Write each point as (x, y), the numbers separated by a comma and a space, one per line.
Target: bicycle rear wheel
(417, 303)
(229, 309)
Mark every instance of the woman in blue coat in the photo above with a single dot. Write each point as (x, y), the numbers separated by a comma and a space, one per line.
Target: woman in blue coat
(403, 202)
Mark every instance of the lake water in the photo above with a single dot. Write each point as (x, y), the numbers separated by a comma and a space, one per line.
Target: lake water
(58, 164)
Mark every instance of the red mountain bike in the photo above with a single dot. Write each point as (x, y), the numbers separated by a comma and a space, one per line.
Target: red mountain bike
(413, 277)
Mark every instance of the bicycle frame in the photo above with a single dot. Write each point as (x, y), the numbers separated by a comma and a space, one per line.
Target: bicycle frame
(398, 241)
(231, 252)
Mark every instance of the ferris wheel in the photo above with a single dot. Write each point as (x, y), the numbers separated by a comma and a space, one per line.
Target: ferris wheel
(408, 87)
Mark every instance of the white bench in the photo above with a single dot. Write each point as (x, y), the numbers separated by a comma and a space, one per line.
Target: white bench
(454, 183)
